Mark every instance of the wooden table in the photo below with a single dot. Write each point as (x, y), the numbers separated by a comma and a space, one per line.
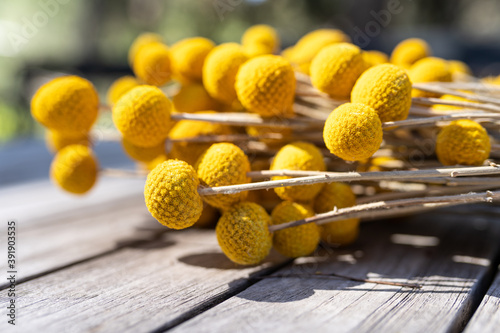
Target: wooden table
(100, 263)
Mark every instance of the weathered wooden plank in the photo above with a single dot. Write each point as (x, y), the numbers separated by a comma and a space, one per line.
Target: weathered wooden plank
(445, 253)
(487, 317)
(137, 289)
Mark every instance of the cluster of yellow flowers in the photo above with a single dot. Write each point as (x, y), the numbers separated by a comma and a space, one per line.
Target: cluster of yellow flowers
(252, 76)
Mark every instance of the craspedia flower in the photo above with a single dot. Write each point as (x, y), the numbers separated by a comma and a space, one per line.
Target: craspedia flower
(310, 44)
(185, 129)
(429, 69)
(374, 58)
(171, 194)
(336, 68)
(409, 51)
(387, 89)
(152, 64)
(56, 141)
(119, 87)
(188, 56)
(243, 234)
(266, 85)
(138, 43)
(298, 156)
(150, 165)
(142, 115)
(337, 195)
(143, 154)
(439, 107)
(68, 104)
(74, 169)
(260, 35)
(353, 132)
(220, 69)
(458, 68)
(220, 165)
(463, 142)
(193, 97)
(296, 241)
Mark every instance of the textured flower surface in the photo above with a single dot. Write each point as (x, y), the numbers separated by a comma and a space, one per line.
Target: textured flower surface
(336, 68)
(193, 97)
(220, 165)
(153, 64)
(353, 132)
(266, 85)
(296, 241)
(74, 169)
(263, 36)
(298, 156)
(68, 104)
(188, 57)
(119, 87)
(409, 51)
(463, 142)
(387, 89)
(171, 194)
(141, 41)
(429, 69)
(337, 195)
(243, 234)
(142, 115)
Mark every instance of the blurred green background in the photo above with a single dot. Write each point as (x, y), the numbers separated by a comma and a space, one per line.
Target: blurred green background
(40, 38)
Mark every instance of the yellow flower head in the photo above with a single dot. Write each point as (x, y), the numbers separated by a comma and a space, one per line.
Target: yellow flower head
(374, 58)
(220, 165)
(142, 40)
(74, 169)
(119, 87)
(142, 115)
(243, 234)
(263, 36)
(429, 70)
(152, 64)
(193, 97)
(458, 67)
(337, 195)
(463, 142)
(188, 56)
(353, 132)
(336, 68)
(298, 156)
(56, 141)
(143, 154)
(171, 194)
(409, 51)
(266, 85)
(387, 89)
(67, 104)
(296, 241)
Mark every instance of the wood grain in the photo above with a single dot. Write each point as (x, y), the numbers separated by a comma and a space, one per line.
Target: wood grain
(446, 254)
(487, 317)
(137, 289)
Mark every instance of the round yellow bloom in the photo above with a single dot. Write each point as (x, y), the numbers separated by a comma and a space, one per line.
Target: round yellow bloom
(263, 36)
(74, 169)
(310, 44)
(296, 241)
(429, 70)
(185, 129)
(56, 141)
(119, 87)
(67, 104)
(463, 142)
(337, 195)
(139, 42)
(243, 234)
(152, 64)
(336, 68)
(387, 89)
(188, 56)
(150, 165)
(458, 67)
(266, 85)
(220, 69)
(171, 194)
(142, 115)
(220, 165)
(409, 51)
(143, 154)
(374, 58)
(439, 107)
(353, 132)
(193, 97)
(298, 156)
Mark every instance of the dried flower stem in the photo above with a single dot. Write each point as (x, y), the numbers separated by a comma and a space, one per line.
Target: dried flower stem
(469, 105)
(441, 90)
(433, 120)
